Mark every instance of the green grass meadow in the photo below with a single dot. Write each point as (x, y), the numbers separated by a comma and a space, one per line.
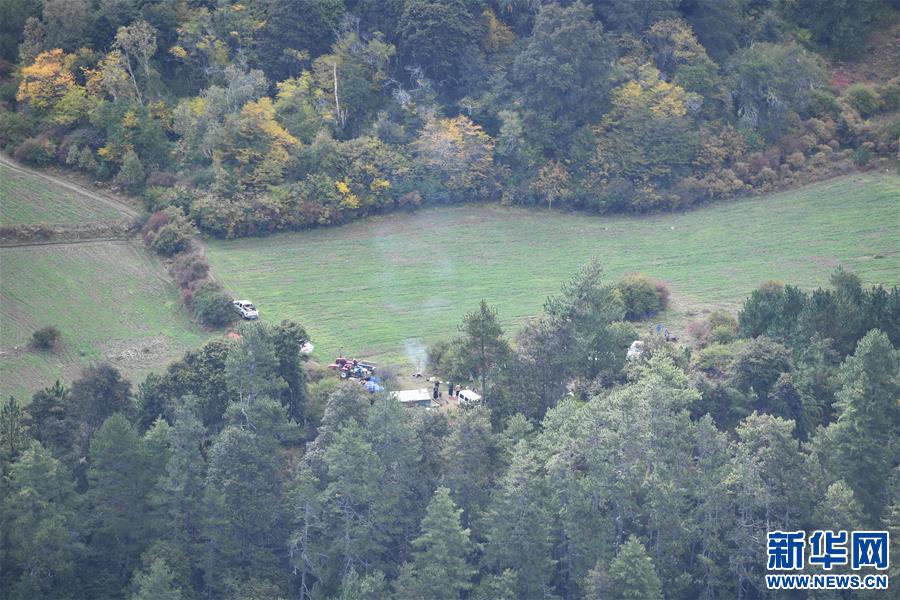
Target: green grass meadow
(380, 286)
(376, 286)
(112, 301)
(25, 198)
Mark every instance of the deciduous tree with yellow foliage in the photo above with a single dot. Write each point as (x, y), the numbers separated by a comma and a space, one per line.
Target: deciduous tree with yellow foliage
(647, 137)
(256, 145)
(456, 155)
(47, 79)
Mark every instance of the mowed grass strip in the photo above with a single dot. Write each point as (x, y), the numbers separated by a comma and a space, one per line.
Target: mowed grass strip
(380, 285)
(112, 301)
(26, 198)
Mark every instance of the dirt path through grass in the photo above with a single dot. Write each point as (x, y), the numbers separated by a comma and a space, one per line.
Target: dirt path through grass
(110, 201)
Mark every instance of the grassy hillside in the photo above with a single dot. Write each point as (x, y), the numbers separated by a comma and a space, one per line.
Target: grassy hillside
(378, 286)
(111, 300)
(27, 198)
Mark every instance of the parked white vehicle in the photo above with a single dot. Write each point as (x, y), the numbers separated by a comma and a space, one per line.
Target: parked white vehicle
(635, 350)
(469, 398)
(246, 309)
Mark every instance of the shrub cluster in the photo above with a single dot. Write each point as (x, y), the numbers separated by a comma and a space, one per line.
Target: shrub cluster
(642, 296)
(202, 295)
(38, 231)
(211, 306)
(188, 268)
(45, 338)
(864, 98)
(718, 327)
(167, 232)
(36, 150)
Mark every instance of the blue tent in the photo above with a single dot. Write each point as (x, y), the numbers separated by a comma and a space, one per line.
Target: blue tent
(372, 387)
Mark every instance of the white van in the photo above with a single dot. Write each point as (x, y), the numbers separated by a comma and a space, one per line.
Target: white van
(468, 398)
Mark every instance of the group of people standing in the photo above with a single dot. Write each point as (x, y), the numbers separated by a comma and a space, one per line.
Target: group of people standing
(452, 391)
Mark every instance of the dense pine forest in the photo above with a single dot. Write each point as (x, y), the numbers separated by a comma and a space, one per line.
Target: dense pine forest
(245, 471)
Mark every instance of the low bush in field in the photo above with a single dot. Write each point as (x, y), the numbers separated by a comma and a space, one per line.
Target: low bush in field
(188, 268)
(203, 296)
(187, 292)
(152, 225)
(38, 231)
(167, 232)
(211, 306)
(45, 338)
(662, 293)
(131, 174)
(642, 296)
(715, 360)
(170, 240)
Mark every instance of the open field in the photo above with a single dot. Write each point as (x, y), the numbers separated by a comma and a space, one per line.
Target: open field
(390, 283)
(385, 287)
(26, 197)
(111, 300)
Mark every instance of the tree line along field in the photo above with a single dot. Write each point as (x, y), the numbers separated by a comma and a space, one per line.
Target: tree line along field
(112, 301)
(377, 288)
(26, 198)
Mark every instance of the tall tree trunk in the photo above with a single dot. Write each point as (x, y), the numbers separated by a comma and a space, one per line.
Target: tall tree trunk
(337, 103)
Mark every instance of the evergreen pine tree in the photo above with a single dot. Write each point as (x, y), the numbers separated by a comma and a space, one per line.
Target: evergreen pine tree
(99, 393)
(390, 433)
(839, 509)
(439, 568)
(288, 338)
(251, 368)
(518, 525)
(468, 462)
(488, 351)
(867, 431)
(120, 482)
(354, 502)
(46, 418)
(13, 434)
(152, 402)
(632, 575)
(348, 402)
(244, 513)
(497, 587)
(306, 544)
(131, 174)
(370, 587)
(40, 516)
(182, 485)
(157, 583)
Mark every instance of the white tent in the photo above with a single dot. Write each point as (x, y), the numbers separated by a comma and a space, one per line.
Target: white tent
(419, 397)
